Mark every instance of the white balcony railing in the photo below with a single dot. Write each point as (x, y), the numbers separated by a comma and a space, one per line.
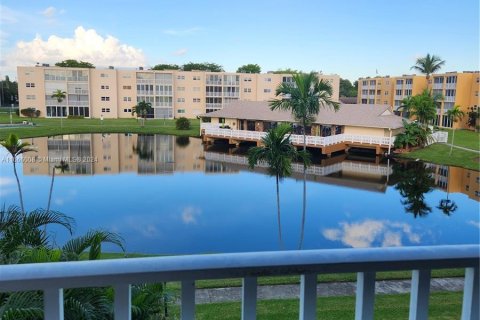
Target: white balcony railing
(52, 278)
(214, 130)
(438, 136)
(449, 99)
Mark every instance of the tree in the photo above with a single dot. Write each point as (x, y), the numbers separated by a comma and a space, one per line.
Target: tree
(16, 147)
(447, 206)
(30, 112)
(347, 89)
(303, 98)
(166, 67)
(423, 106)
(63, 166)
(473, 116)
(288, 71)
(205, 66)
(142, 109)
(412, 136)
(428, 64)
(249, 68)
(8, 92)
(182, 123)
(456, 115)
(72, 63)
(278, 153)
(60, 96)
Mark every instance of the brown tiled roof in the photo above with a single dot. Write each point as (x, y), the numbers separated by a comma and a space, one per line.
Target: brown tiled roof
(358, 115)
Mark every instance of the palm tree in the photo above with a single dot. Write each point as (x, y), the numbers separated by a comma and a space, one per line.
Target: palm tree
(142, 109)
(63, 166)
(16, 147)
(405, 106)
(278, 153)
(423, 106)
(428, 64)
(304, 97)
(456, 115)
(60, 96)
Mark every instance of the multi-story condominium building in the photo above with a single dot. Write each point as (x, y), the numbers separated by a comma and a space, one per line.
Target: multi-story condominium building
(112, 93)
(455, 88)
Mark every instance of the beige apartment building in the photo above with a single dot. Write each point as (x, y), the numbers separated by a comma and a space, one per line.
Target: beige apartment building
(456, 88)
(112, 93)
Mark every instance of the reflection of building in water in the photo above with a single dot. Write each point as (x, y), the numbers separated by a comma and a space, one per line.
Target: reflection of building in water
(337, 171)
(114, 153)
(455, 179)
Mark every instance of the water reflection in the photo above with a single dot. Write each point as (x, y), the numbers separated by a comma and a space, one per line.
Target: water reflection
(217, 204)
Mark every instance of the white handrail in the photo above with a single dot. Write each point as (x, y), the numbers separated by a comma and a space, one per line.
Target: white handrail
(120, 273)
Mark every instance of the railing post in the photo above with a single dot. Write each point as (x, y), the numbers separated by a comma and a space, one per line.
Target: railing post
(471, 295)
(53, 303)
(365, 297)
(308, 297)
(188, 300)
(419, 294)
(249, 298)
(122, 302)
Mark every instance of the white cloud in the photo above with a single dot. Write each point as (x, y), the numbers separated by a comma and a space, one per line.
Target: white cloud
(86, 45)
(182, 32)
(180, 52)
(474, 223)
(365, 234)
(190, 215)
(6, 182)
(49, 12)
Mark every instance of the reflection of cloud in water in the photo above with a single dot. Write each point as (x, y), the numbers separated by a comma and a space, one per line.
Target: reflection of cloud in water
(70, 195)
(145, 225)
(190, 215)
(6, 182)
(364, 234)
(7, 186)
(474, 223)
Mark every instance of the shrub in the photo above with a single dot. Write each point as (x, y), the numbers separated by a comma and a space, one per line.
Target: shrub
(30, 112)
(182, 123)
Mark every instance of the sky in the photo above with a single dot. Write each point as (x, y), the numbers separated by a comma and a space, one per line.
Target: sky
(352, 38)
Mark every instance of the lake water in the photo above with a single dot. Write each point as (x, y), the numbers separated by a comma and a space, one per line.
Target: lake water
(171, 195)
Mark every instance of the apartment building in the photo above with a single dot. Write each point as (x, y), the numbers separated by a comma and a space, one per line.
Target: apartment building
(112, 93)
(456, 88)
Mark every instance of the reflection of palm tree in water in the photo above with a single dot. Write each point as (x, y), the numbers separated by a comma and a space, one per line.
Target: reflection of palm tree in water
(144, 147)
(414, 181)
(63, 167)
(447, 206)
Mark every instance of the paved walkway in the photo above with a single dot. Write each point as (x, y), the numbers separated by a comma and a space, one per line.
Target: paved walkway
(323, 290)
(463, 148)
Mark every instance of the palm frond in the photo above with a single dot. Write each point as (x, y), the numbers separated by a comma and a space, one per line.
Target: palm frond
(93, 239)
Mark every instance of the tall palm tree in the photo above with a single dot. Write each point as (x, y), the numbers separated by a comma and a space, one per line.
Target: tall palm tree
(16, 147)
(60, 96)
(63, 166)
(428, 64)
(142, 108)
(304, 97)
(456, 115)
(278, 153)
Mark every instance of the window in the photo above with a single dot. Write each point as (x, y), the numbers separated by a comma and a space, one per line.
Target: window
(127, 98)
(127, 110)
(408, 92)
(103, 75)
(371, 92)
(398, 92)
(127, 87)
(181, 111)
(267, 90)
(450, 93)
(196, 77)
(364, 82)
(179, 77)
(247, 90)
(30, 85)
(364, 91)
(250, 79)
(268, 79)
(196, 100)
(400, 82)
(452, 79)
(379, 92)
(30, 97)
(386, 93)
(105, 109)
(408, 81)
(105, 87)
(438, 80)
(372, 82)
(105, 98)
(180, 99)
(180, 88)
(387, 83)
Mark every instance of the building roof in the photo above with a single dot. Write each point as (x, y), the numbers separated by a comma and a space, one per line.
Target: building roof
(357, 115)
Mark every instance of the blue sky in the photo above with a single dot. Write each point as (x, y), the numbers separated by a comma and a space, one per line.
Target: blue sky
(350, 38)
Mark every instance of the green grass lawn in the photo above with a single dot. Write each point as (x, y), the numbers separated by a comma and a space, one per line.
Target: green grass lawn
(50, 127)
(443, 306)
(440, 153)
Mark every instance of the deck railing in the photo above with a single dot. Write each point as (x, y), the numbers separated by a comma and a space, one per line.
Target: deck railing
(356, 167)
(214, 130)
(52, 278)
